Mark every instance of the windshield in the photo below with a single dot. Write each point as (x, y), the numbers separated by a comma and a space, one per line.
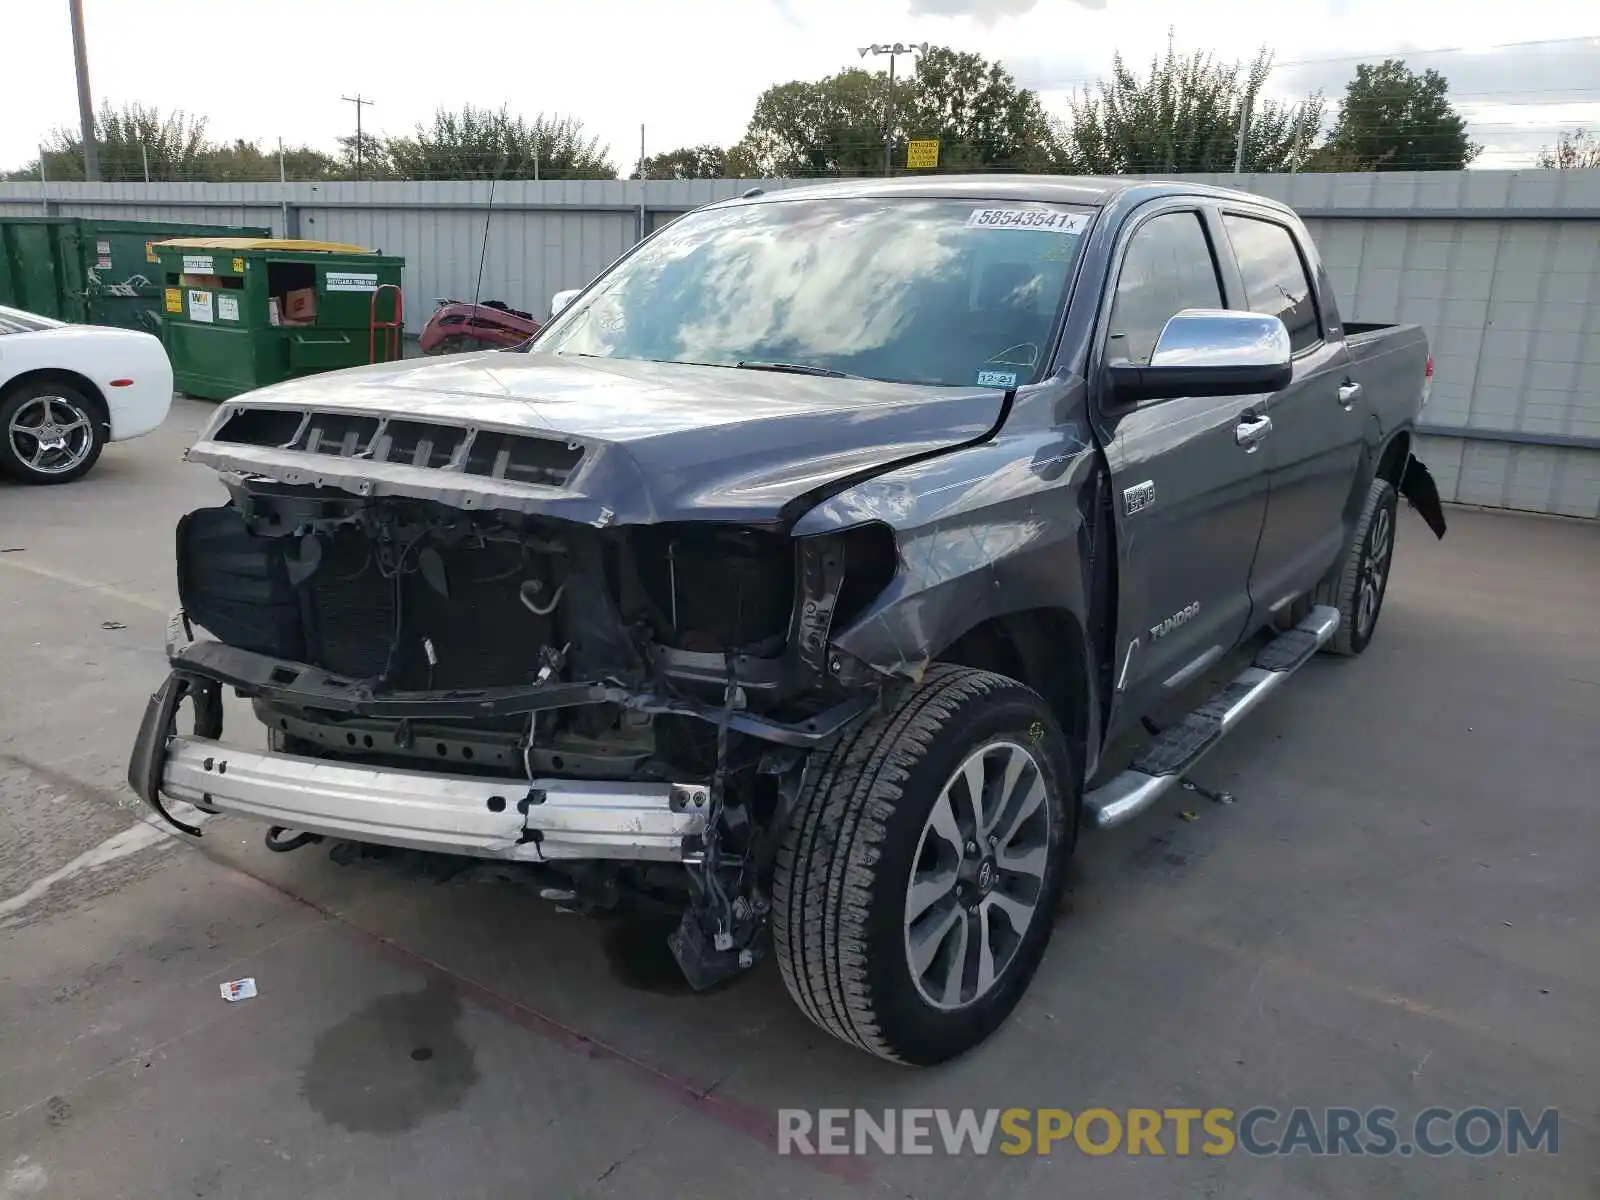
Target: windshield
(945, 292)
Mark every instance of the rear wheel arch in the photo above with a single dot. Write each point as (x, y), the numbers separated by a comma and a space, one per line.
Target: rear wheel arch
(1392, 462)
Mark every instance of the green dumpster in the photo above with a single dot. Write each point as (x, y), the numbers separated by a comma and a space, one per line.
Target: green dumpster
(242, 313)
(88, 270)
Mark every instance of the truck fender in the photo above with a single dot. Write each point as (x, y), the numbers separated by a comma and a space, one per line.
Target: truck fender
(1422, 493)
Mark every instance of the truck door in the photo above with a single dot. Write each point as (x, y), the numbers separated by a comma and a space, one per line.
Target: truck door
(1189, 483)
(1317, 421)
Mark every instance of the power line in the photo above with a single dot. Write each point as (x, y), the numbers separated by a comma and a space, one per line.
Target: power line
(1561, 41)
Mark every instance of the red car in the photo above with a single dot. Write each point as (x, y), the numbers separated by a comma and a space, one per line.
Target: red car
(458, 326)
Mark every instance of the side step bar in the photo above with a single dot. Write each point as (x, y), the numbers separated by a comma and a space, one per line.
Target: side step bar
(1162, 764)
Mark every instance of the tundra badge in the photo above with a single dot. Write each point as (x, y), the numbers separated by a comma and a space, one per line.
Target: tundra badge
(1181, 617)
(1139, 497)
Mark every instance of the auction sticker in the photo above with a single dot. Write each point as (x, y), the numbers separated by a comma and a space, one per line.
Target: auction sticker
(1027, 218)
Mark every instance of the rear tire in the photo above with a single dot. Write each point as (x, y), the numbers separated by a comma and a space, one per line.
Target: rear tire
(50, 432)
(1361, 580)
(870, 845)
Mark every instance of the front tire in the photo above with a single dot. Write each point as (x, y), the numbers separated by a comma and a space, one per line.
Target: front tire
(1361, 581)
(918, 881)
(49, 433)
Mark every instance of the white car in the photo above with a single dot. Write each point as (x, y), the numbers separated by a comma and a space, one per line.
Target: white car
(67, 390)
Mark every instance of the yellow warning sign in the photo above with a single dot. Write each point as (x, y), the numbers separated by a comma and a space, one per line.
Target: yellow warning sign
(922, 155)
(238, 266)
(150, 254)
(174, 300)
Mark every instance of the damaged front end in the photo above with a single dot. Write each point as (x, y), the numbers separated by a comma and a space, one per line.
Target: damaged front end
(624, 708)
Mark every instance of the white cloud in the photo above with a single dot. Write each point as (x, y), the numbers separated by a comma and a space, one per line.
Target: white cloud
(985, 12)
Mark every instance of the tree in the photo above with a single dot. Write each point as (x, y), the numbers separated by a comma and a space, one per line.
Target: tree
(371, 163)
(687, 162)
(982, 119)
(1392, 119)
(249, 162)
(835, 125)
(484, 143)
(174, 146)
(831, 127)
(1183, 117)
(1575, 151)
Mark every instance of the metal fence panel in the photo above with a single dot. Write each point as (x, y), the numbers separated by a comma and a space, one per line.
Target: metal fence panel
(1502, 268)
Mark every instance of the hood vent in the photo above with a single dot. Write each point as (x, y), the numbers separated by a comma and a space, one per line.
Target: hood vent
(429, 445)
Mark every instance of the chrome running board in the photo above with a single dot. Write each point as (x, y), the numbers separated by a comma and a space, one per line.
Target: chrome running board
(1161, 765)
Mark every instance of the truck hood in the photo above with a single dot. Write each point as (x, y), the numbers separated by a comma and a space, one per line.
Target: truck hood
(608, 440)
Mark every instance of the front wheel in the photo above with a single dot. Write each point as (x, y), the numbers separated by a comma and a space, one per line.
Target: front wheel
(1361, 580)
(918, 882)
(49, 433)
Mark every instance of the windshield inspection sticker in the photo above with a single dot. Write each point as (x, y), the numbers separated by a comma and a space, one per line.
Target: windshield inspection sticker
(1003, 379)
(1027, 218)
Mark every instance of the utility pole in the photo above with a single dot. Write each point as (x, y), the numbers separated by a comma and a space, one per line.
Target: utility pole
(892, 51)
(80, 57)
(360, 103)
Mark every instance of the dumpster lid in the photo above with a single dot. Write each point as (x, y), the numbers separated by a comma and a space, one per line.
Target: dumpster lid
(247, 243)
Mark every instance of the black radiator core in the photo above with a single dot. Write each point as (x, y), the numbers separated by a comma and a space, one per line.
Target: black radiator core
(481, 634)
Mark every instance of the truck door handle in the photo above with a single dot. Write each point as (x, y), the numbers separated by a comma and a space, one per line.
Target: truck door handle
(1249, 432)
(1349, 393)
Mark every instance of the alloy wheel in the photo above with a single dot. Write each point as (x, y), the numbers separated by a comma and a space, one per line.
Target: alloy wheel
(51, 435)
(978, 876)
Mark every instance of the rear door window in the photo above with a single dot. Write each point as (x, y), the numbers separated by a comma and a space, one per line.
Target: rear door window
(1275, 279)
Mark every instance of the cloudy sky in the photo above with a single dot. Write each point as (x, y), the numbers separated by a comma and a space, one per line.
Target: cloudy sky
(690, 71)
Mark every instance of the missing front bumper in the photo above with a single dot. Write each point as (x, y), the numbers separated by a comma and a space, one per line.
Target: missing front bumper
(546, 821)
(542, 820)
(549, 820)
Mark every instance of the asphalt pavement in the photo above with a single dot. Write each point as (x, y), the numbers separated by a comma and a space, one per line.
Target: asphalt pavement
(1398, 910)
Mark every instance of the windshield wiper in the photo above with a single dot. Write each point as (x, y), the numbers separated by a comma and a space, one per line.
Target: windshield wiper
(794, 369)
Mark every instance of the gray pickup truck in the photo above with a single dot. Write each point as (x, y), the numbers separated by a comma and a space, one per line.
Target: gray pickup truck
(797, 575)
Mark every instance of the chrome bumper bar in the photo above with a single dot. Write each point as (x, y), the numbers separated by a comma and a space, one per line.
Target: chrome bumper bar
(545, 820)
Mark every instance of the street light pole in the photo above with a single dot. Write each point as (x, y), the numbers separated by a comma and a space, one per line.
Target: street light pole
(892, 51)
(80, 58)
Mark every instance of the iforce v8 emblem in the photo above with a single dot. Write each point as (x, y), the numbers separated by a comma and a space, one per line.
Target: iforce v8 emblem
(1139, 497)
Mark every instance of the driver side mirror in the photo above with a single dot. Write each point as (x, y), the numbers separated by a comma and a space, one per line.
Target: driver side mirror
(1208, 352)
(561, 299)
